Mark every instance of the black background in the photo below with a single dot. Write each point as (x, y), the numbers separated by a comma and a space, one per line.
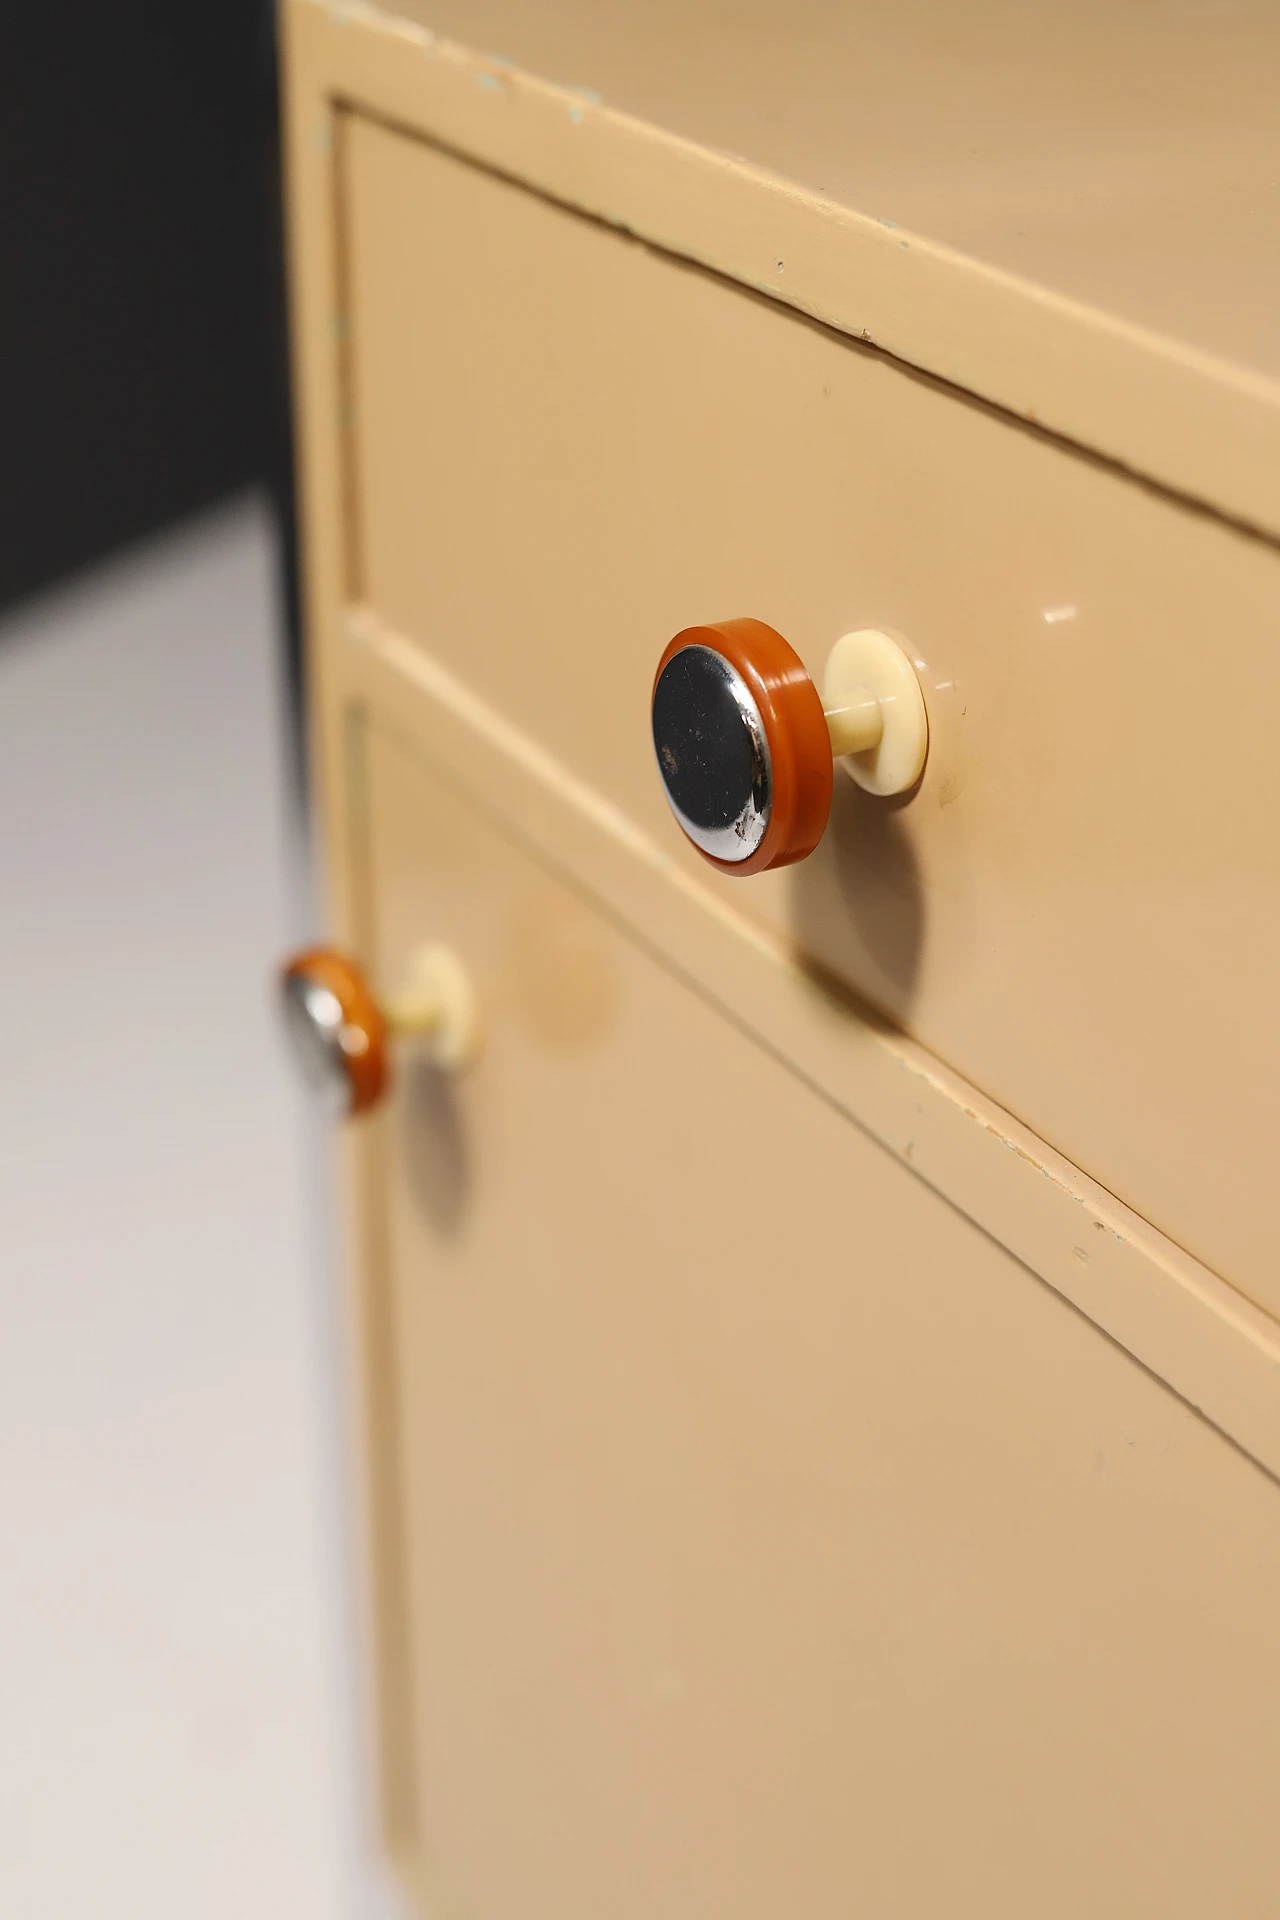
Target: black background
(142, 344)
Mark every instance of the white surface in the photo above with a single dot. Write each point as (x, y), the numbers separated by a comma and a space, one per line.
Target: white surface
(176, 1718)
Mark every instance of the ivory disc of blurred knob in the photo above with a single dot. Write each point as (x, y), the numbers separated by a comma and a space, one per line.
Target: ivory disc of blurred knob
(437, 1010)
(875, 712)
(340, 1031)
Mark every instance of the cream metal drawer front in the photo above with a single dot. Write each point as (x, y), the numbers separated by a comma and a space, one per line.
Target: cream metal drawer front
(564, 446)
(756, 1536)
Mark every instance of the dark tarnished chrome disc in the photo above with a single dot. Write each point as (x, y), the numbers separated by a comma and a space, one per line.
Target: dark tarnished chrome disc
(713, 753)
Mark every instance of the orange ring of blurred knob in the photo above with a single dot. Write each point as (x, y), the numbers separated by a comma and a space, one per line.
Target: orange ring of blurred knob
(363, 1036)
(795, 726)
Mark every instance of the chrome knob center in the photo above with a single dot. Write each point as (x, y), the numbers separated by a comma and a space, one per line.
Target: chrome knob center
(713, 753)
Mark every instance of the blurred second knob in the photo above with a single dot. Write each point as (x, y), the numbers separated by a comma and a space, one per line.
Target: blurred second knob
(342, 1033)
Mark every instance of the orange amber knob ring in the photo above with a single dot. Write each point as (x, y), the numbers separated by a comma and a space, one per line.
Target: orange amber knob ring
(743, 745)
(341, 1033)
(338, 1028)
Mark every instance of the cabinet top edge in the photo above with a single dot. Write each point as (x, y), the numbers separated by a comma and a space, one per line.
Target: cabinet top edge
(1065, 215)
(1123, 153)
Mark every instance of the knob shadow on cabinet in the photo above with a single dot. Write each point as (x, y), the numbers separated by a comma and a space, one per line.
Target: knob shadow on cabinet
(341, 1033)
(746, 744)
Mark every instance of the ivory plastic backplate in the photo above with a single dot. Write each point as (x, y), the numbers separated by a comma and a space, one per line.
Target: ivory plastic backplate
(870, 662)
(436, 1010)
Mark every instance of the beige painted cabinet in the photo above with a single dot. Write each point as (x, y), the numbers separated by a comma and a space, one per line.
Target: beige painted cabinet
(821, 1394)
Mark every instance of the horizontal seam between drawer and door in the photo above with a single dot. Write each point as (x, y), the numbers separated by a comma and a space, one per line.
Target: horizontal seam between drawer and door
(1185, 1324)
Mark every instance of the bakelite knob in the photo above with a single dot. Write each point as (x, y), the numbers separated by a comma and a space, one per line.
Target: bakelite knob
(341, 1031)
(746, 744)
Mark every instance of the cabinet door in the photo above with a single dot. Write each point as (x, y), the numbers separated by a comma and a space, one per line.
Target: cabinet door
(761, 1538)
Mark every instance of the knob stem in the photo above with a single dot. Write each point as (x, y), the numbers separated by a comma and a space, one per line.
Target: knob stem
(857, 724)
(417, 1012)
(871, 664)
